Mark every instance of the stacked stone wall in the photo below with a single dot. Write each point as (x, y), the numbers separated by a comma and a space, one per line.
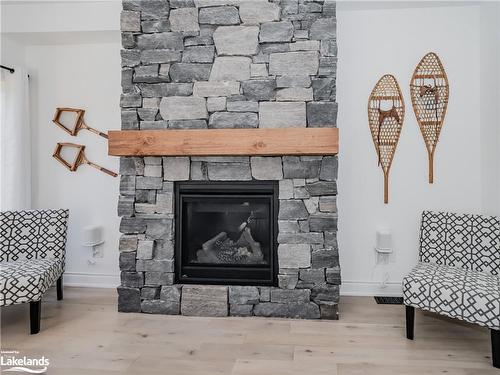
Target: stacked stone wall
(219, 64)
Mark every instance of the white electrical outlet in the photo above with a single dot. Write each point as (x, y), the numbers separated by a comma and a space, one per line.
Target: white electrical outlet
(93, 239)
(383, 258)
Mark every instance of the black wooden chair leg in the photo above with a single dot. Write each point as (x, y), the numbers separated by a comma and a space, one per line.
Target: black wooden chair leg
(60, 288)
(35, 316)
(495, 347)
(410, 322)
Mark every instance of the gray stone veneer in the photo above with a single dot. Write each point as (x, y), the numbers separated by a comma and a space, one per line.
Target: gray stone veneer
(194, 64)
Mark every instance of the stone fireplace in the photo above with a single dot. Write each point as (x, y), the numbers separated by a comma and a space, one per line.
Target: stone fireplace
(229, 235)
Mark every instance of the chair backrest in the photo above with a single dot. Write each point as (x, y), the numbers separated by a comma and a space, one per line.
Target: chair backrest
(34, 234)
(461, 240)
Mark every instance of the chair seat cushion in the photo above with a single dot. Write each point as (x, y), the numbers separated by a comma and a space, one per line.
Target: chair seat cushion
(27, 280)
(472, 296)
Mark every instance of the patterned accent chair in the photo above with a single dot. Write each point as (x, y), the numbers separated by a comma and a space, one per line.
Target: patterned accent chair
(458, 274)
(32, 251)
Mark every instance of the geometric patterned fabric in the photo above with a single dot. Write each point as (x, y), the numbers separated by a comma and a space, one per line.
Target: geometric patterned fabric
(459, 270)
(32, 252)
(465, 241)
(456, 292)
(34, 234)
(27, 280)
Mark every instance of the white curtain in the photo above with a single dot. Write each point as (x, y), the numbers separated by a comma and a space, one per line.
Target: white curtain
(15, 141)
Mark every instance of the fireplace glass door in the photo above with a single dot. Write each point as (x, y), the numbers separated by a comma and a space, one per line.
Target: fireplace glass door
(225, 233)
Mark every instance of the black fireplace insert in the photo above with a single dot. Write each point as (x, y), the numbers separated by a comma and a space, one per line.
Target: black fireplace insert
(225, 232)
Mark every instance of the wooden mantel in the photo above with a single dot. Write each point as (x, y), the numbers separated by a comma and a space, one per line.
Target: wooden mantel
(224, 142)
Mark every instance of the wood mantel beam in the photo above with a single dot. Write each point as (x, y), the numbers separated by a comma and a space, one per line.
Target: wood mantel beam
(224, 142)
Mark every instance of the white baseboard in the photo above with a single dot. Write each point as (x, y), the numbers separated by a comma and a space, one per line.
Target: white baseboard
(91, 280)
(370, 288)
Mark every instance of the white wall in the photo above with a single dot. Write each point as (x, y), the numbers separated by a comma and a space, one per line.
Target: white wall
(375, 40)
(12, 53)
(60, 15)
(490, 106)
(72, 52)
(81, 76)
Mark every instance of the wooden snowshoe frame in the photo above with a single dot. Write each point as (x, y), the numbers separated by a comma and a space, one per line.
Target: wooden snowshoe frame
(429, 90)
(386, 124)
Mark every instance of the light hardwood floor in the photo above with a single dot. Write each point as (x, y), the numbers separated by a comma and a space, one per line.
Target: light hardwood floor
(84, 334)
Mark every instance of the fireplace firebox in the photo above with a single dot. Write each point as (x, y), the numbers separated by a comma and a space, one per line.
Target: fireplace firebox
(225, 232)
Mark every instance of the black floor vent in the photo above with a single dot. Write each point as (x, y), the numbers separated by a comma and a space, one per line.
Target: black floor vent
(389, 300)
